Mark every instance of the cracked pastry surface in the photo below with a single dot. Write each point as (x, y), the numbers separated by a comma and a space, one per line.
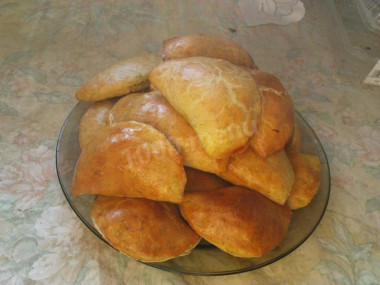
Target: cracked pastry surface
(218, 99)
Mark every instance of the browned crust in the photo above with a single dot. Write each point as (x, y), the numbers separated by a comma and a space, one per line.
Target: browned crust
(145, 230)
(277, 119)
(130, 159)
(236, 220)
(93, 122)
(271, 176)
(124, 77)
(207, 46)
(307, 169)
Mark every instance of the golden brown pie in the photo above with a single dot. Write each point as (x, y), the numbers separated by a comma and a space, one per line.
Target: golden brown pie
(307, 169)
(218, 99)
(130, 159)
(125, 77)
(276, 123)
(207, 46)
(239, 221)
(143, 229)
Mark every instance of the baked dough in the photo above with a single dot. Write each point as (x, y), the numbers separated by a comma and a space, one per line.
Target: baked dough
(307, 169)
(272, 176)
(277, 119)
(207, 46)
(145, 230)
(152, 108)
(218, 99)
(130, 159)
(127, 76)
(198, 180)
(93, 121)
(236, 220)
(296, 142)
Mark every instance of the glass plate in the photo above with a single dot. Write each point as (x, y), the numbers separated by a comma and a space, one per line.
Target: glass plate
(205, 259)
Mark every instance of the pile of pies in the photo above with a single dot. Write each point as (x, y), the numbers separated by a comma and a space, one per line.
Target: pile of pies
(195, 142)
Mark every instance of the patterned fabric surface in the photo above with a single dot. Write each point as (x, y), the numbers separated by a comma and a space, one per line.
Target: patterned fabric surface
(50, 48)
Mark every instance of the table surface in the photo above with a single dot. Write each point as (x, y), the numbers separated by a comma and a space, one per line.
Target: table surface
(48, 49)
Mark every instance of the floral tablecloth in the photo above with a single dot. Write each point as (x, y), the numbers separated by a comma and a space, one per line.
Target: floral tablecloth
(50, 48)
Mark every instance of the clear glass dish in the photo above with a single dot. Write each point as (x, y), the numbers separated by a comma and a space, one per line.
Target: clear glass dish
(205, 259)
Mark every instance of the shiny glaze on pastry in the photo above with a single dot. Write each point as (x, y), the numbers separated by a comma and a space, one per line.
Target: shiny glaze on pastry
(239, 221)
(130, 159)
